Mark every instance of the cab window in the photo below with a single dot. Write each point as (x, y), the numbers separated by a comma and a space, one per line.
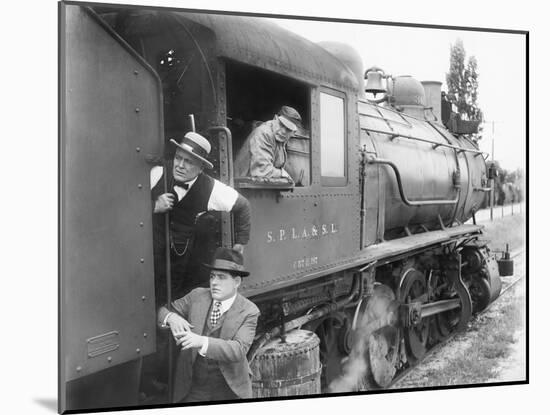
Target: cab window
(333, 142)
(254, 96)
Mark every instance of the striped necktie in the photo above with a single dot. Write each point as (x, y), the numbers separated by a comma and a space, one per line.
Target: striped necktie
(216, 313)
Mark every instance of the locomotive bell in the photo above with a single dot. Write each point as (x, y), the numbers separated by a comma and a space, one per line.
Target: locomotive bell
(374, 81)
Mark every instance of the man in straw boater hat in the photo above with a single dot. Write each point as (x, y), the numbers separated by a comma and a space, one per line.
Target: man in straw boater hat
(191, 193)
(214, 328)
(264, 152)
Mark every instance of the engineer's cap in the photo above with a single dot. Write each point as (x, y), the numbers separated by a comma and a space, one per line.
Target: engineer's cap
(290, 118)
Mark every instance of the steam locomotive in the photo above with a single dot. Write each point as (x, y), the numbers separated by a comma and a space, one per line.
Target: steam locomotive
(369, 245)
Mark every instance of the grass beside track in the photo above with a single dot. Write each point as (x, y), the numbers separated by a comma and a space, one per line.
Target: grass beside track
(510, 229)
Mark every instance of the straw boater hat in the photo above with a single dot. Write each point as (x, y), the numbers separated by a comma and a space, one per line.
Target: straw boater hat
(229, 260)
(195, 145)
(289, 117)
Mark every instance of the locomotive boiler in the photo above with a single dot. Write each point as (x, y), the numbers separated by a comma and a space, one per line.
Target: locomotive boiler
(368, 249)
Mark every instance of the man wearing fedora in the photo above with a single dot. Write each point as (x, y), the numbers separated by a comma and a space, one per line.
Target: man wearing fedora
(191, 193)
(214, 327)
(264, 151)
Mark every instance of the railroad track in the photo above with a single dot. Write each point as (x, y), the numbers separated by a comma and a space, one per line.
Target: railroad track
(506, 286)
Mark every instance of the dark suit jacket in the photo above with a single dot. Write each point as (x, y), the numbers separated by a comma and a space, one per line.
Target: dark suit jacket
(236, 336)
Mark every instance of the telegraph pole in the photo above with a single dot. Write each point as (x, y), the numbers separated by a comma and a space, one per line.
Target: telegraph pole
(492, 194)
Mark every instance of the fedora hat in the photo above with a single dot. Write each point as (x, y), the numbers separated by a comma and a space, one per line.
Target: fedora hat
(229, 260)
(289, 117)
(195, 145)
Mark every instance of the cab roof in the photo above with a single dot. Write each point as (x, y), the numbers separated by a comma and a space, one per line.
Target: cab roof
(260, 42)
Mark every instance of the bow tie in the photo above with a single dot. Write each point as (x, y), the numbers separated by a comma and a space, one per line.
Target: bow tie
(182, 185)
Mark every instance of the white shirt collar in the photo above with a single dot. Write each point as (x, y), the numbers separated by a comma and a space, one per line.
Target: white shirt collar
(226, 304)
(181, 191)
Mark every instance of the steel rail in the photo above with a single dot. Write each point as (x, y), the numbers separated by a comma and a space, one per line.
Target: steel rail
(517, 253)
(505, 289)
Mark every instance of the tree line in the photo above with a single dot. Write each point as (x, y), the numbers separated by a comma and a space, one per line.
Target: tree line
(462, 92)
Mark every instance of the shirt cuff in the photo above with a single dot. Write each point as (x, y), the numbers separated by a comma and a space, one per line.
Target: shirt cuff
(204, 347)
(166, 319)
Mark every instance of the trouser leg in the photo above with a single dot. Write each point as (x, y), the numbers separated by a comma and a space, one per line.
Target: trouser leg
(208, 383)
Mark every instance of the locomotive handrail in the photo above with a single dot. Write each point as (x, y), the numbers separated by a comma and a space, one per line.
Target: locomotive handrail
(229, 138)
(435, 143)
(482, 189)
(381, 117)
(402, 192)
(168, 274)
(400, 113)
(226, 224)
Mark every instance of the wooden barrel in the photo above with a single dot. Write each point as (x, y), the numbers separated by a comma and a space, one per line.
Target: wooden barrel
(288, 368)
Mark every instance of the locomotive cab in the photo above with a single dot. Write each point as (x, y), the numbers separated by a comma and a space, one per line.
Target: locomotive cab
(232, 73)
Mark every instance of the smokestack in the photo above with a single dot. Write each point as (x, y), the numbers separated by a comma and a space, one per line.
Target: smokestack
(432, 90)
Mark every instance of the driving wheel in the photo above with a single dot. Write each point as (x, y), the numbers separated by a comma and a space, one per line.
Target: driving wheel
(413, 289)
(384, 355)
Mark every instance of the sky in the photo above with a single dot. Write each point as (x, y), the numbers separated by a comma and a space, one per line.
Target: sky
(424, 54)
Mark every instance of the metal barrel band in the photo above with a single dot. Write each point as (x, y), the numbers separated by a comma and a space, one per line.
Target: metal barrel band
(278, 383)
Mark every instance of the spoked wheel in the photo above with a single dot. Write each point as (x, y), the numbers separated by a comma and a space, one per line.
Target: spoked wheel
(439, 289)
(480, 291)
(329, 332)
(435, 335)
(374, 344)
(445, 323)
(384, 355)
(382, 348)
(414, 289)
(455, 319)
